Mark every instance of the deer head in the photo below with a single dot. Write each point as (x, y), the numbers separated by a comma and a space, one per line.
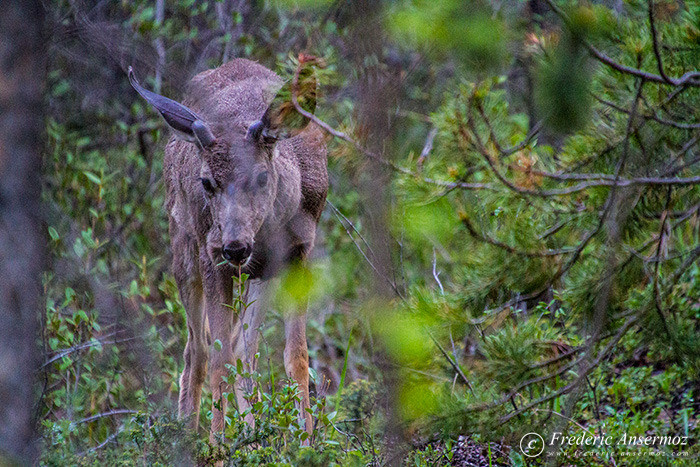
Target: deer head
(238, 175)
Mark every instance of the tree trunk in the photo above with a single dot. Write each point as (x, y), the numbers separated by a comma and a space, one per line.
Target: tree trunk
(377, 92)
(22, 242)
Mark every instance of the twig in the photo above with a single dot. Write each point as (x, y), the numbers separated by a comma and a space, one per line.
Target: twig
(533, 132)
(453, 364)
(102, 444)
(592, 233)
(686, 147)
(487, 121)
(437, 274)
(391, 283)
(350, 223)
(566, 418)
(86, 345)
(428, 146)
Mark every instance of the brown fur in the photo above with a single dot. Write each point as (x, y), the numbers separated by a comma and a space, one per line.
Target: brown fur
(229, 99)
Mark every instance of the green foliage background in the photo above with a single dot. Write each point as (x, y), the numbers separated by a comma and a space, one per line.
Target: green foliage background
(505, 238)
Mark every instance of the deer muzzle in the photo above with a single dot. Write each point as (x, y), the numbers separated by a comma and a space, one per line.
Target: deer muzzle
(237, 252)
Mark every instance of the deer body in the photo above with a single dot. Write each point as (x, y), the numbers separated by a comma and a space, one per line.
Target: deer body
(238, 189)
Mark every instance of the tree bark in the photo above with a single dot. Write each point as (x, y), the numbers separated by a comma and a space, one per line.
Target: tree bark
(376, 93)
(22, 242)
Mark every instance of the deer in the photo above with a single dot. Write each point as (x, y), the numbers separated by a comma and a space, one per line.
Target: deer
(246, 181)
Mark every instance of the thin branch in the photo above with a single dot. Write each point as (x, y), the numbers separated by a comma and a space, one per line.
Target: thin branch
(609, 180)
(655, 284)
(338, 134)
(556, 359)
(535, 130)
(106, 414)
(487, 121)
(606, 180)
(513, 149)
(689, 261)
(663, 121)
(491, 241)
(592, 233)
(566, 418)
(453, 364)
(102, 444)
(87, 345)
(391, 283)
(599, 179)
(686, 147)
(655, 42)
(684, 166)
(589, 235)
(352, 226)
(524, 384)
(690, 78)
(554, 229)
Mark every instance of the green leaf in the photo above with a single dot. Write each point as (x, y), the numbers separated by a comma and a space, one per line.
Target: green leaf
(92, 177)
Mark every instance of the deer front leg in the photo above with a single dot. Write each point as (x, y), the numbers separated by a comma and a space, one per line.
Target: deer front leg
(245, 343)
(196, 352)
(296, 360)
(221, 325)
(193, 374)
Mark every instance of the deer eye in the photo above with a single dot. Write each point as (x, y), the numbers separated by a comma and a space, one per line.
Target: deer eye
(262, 179)
(208, 185)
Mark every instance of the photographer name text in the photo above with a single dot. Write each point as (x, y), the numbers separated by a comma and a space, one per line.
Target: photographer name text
(624, 440)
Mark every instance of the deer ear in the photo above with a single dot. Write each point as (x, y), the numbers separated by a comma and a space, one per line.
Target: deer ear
(281, 119)
(187, 124)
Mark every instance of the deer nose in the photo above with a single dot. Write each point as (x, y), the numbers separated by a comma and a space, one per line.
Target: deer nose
(237, 252)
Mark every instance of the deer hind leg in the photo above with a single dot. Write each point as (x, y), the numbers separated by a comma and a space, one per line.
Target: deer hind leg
(246, 341)
(296, 360)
